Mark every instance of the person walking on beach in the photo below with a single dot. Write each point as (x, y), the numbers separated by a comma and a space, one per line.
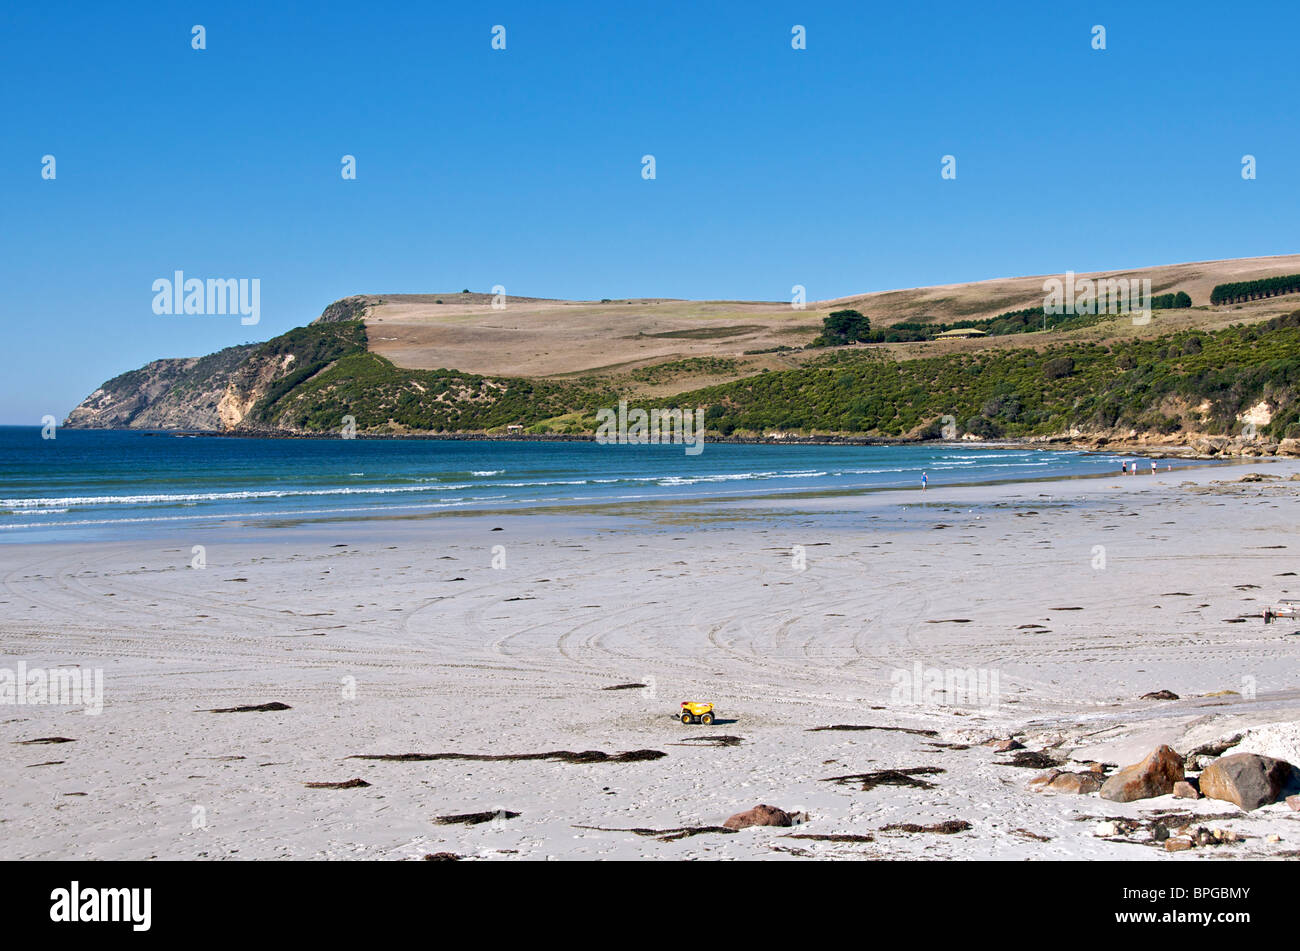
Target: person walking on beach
(925, 479)
(1153, 467)
(1123, 467)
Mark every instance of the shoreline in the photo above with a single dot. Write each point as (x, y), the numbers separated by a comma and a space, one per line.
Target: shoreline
(1134, 445)
(850, 497)
(1091, 446)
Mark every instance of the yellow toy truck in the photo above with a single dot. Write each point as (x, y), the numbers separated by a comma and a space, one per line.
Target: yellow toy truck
(697, 712)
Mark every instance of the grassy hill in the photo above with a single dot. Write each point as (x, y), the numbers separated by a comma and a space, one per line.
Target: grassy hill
(452, 363)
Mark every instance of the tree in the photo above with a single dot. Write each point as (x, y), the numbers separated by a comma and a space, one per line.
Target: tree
(842, 327)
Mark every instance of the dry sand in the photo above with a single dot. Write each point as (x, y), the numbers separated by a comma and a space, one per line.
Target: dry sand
(699, 602)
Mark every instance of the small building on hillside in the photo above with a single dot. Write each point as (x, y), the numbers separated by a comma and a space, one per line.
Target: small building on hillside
(961, 333)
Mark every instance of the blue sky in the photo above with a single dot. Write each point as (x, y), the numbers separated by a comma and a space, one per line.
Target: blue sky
(522, 167)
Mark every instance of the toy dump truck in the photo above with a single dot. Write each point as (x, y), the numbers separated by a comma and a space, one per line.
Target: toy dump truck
(697, 712)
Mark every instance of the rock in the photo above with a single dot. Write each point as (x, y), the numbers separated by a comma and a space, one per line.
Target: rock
(1217, 747)
(1273, 838)
(1106, 829)
(1209, 445)
(1178, 844)
(1246, 779)
(1185, 790)
(1154, 776)
(1080, 784)
(1160, 695)
(1294, 803)
(760, 815)
(1061, 781)
(1043, 780)
(1030, 759)
(1004, 745)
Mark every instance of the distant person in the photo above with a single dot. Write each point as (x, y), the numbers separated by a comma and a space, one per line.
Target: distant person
(925, 480)
(1123, 467)
(1153, 467)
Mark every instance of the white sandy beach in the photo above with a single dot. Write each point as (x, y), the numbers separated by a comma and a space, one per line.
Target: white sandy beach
(448, 654)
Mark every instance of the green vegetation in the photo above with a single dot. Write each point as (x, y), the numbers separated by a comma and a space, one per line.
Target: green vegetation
(706, 333)
(1255, 290)
(1178, 301)
(1155, 384)
(381, 396)
(302, 352)
(688, 366)
(843, 327)
(1190, 380)
(781, 349)
(1012, 322)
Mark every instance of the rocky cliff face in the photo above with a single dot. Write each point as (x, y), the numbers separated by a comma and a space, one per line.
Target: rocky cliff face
(184, 393)
(229, 390)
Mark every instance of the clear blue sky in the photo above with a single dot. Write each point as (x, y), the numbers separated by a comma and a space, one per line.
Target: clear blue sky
(523, 168)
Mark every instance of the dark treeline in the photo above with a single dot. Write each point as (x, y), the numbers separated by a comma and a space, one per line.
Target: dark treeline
(1170, 301)
(1238, 291)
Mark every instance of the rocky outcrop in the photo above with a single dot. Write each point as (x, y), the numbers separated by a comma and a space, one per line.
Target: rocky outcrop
(1154, 776)
(760, 815)
(349, 308)
(1246, 779)
(219, 392)
(165, 394)
(1078, 784)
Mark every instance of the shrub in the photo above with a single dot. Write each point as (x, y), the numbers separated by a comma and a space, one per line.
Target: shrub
(1058, 367)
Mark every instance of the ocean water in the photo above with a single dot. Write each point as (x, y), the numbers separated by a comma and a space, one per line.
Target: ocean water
(94, 483)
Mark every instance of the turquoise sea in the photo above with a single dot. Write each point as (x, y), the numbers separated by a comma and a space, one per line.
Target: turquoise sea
(96, 483)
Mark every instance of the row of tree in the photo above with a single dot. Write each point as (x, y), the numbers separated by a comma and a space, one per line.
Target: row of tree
(1171, 301)
(1239, 291)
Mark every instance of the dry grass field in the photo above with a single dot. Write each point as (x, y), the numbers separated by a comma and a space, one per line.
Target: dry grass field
(535, 337)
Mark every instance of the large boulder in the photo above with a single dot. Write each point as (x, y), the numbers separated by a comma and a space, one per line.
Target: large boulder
(1246, 779)
(760, 815)
(1154, 776)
